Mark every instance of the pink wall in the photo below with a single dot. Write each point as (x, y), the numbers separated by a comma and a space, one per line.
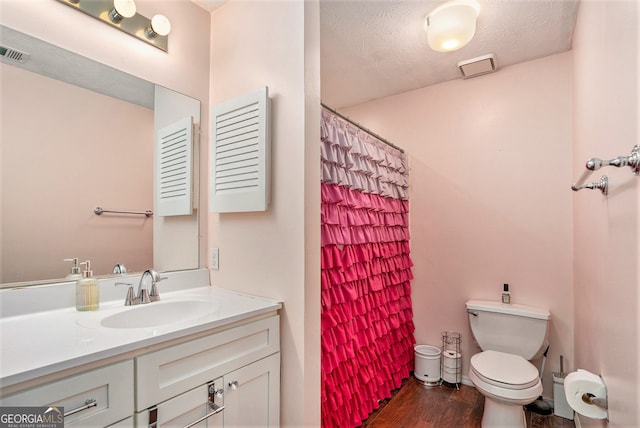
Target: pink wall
(52, 129)
(606, 229)
(277, 253)
(490, 201)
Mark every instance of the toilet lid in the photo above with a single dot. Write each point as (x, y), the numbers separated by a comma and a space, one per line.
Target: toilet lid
(505, 369)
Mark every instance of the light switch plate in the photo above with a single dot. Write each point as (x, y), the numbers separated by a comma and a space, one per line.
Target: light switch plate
(215, 255)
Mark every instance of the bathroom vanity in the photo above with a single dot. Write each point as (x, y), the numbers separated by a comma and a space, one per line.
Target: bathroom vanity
(202, 353)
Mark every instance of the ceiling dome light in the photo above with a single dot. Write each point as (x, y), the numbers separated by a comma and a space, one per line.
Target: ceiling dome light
(122, 9)
(160, 26)
(451, 25)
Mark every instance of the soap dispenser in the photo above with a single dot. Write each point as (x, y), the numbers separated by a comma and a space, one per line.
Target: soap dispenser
(87, 290)
(75, 269)
(506, 296)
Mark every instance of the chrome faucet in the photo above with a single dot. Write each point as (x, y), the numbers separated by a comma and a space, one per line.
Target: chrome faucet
(119, 269)
(153, 295)
(130, 300)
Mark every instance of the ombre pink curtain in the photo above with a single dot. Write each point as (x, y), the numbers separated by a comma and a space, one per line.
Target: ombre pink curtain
(367, 319)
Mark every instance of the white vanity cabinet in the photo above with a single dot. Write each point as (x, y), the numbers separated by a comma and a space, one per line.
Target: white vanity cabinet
(234, 373)
(226, 362)
(99, 397)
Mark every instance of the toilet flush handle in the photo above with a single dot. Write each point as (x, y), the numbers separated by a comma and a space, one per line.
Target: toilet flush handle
(472, 312)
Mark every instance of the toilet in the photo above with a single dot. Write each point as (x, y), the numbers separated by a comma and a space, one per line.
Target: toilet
(510, 335)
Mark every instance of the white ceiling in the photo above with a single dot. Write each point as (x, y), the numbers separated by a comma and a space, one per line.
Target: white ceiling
(376, 48)
(373, 49)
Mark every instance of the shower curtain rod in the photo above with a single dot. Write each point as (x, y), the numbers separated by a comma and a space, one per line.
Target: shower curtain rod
(373, 134)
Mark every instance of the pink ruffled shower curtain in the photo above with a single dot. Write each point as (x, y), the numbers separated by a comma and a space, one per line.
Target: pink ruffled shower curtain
(367, 319)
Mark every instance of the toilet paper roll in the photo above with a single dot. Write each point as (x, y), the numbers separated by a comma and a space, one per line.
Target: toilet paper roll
(584, 383)
(451, 359)
(451, 354)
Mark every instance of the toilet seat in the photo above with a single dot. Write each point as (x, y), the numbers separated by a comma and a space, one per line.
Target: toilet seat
(505, 378)
(504, 370)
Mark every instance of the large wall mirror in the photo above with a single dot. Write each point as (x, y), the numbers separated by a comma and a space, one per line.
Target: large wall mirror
(77, 135)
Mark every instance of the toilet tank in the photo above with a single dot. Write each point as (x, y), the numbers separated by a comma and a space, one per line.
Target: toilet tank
(516, 329)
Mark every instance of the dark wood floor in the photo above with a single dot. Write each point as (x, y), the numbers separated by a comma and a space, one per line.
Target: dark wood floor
(415, 406)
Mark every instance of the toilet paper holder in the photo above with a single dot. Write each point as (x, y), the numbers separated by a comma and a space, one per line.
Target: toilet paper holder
(596, 401)
(601, 402)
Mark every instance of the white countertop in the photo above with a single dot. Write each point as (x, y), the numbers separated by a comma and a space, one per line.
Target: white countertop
(42, 343)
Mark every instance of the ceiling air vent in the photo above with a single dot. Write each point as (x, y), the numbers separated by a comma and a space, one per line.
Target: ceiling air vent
(13, 54)
(478, 66)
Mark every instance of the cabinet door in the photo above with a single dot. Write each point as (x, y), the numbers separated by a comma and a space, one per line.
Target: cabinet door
(192, 408)
(252, 394)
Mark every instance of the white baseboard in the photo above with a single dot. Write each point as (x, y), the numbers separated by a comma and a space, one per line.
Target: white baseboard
(467, 381)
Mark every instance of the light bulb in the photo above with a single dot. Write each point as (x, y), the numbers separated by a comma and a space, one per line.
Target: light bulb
(160, 26)
(122, 9)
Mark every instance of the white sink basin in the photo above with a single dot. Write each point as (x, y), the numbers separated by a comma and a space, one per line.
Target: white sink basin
(158, 313)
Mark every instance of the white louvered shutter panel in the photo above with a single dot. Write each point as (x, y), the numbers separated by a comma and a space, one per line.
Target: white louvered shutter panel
(174, 168)
(240, 158)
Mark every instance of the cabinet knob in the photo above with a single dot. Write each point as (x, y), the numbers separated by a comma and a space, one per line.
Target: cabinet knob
(220, 393)
(233, 384)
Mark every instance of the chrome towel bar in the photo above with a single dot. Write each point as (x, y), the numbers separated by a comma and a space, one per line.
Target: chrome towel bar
(594, 164)
(99, 211)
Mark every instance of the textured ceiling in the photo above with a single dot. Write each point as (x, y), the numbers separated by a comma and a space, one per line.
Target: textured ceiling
(373, 49)
(376, 48)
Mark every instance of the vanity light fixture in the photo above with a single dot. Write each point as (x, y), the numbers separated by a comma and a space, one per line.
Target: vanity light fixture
(122, 9)
(160, 26)
(451, 25)
(123, 15)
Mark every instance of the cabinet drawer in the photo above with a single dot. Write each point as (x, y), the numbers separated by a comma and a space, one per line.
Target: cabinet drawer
(111, 387)
(166, 373)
